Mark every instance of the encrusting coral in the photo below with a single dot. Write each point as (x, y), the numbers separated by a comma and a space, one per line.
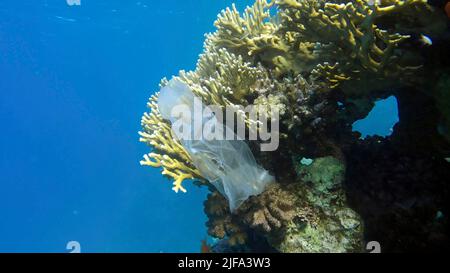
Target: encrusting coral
(301, 216)
(322, 65)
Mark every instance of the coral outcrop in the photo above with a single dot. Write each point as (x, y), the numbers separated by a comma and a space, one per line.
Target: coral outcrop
(308, 215)
(322, 64)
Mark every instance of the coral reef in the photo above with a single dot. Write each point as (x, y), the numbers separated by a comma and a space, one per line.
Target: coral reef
(322, 64)
(221, 161)
(167, 150)
(401, 195)
(302, 216)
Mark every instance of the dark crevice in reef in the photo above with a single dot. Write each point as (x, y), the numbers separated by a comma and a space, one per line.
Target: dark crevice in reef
(399, 184)
(417, 130)
(401, 195)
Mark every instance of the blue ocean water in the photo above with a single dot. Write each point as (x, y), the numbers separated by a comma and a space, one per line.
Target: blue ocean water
(74, 81)
(381, 119)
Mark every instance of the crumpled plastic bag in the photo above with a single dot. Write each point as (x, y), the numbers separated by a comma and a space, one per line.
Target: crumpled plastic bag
(228, 165)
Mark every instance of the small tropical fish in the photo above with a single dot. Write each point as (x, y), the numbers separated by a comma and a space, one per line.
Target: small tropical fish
(205, 248)
(306, 161)
(425, 40)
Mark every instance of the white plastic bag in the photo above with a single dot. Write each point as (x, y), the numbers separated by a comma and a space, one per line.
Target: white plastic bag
(229, 165)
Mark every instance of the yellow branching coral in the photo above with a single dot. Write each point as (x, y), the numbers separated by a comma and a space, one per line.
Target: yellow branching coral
(330, 73)
(347, 38)
(250, 35)
(224, 79)
(221, 78)
(234, 78)
(263, 59)
(243, 33)
(336, 40)
(168, 152)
